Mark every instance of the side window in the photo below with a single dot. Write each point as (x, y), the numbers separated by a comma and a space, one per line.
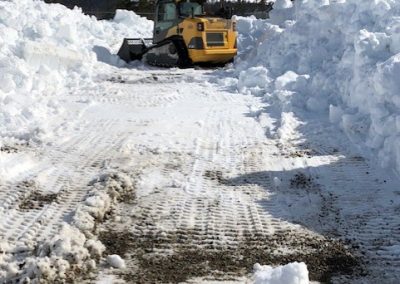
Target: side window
(167, 15)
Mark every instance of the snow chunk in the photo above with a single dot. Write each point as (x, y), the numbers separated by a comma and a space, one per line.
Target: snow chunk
(95, 247)
(116, 261)
(277, 182)
(107, 190)
(254, 80)
(292, 82)
(292, 273)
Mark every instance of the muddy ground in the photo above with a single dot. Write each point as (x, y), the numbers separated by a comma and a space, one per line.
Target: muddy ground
(173, 258)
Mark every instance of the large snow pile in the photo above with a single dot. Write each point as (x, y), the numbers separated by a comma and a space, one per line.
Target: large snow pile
(337, 57)
(292, 273)
(46, 50)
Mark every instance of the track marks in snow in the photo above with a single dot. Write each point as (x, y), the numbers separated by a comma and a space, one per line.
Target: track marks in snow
(367, 214)
(212, 187)
(357, 200)
(74, 163)
(220, 203)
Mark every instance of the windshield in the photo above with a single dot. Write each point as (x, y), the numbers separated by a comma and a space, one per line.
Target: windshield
(186, 8)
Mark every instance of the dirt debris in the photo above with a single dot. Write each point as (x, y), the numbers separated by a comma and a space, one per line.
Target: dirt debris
(357, 159)
(301, 180)
(116, 242)
(8, 149)
(300, 153)
(179, 256)
(14, 146)
(36, 200)
(215, 176)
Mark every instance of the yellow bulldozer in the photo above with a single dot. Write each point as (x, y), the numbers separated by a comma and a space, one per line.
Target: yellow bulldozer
(184, 35)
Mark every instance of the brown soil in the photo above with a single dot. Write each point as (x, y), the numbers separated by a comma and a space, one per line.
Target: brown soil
(300, 180)
(36, 200)
(175, 258)
(32, 197)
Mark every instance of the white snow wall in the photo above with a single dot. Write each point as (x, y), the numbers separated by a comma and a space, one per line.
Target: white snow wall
(46, 52)
(348, 52)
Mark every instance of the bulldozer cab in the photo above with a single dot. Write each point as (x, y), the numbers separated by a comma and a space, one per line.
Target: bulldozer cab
(170, 13)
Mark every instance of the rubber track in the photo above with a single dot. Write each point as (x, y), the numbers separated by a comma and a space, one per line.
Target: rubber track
(183, 61)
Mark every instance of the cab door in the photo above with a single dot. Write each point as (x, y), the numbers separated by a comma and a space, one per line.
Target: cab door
(166, 18)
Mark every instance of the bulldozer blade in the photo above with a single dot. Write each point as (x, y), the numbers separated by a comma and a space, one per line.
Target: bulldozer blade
(133, 48)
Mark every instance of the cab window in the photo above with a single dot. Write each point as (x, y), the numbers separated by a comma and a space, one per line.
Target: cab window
(166, 16)
(188, 8)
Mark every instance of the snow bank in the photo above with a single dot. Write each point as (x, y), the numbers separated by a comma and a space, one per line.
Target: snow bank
(292, 273)
(45, 51)
(340, 58)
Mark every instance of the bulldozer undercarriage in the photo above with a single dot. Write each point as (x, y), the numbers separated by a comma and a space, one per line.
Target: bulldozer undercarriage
(168, 53)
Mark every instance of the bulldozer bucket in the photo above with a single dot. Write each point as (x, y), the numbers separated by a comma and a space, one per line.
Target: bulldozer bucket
(134, 48)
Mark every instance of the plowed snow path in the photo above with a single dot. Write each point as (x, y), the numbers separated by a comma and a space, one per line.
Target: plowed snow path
(214, 192)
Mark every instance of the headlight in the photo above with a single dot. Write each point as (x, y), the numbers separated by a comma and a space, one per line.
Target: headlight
(200, 27)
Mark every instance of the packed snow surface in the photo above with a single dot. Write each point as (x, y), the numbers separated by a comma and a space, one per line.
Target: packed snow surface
(292, 273)
(336, 58)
